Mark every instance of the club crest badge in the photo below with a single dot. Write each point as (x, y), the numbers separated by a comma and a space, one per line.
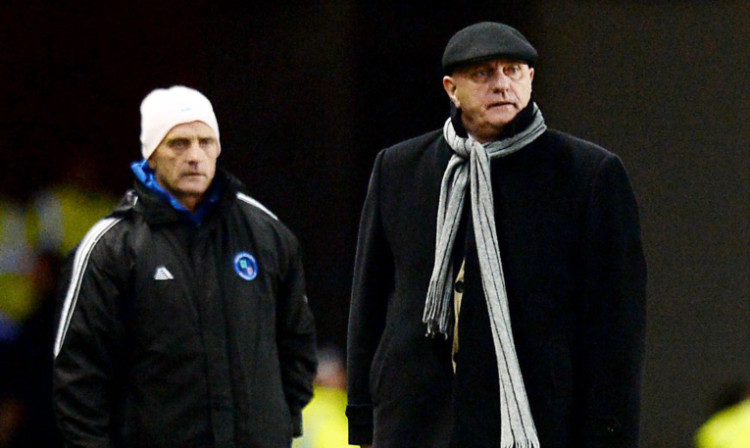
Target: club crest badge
(246, 266)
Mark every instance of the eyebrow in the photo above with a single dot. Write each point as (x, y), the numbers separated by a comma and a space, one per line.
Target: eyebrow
(178, 138)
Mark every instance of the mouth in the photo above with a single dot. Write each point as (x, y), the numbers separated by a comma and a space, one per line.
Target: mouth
(501, 104)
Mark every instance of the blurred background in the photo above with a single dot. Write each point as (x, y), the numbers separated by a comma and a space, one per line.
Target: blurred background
(306, 93)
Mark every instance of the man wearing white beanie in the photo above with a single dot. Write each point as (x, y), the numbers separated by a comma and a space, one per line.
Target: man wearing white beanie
(184, 320)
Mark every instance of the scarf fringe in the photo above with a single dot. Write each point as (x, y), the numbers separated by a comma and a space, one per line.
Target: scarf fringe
(437, 312)
(522, 444)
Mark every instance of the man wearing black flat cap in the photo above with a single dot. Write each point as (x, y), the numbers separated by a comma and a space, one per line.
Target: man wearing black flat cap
(499, 283)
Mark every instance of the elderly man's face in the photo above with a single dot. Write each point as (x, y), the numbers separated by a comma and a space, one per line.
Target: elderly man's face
(184, 163)
(490, 94)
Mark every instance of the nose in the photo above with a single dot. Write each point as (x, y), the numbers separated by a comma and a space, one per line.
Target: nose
(194, 153)
(500, 82)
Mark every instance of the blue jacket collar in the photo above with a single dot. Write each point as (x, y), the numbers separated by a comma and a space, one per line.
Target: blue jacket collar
(145, 174)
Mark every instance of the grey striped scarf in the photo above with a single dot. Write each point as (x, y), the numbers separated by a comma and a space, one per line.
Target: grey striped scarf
(470, 163)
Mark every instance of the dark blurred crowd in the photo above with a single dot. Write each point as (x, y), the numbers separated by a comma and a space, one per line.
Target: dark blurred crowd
(36, 233)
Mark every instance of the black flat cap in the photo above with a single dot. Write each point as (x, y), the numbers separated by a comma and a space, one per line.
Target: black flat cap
(484, 41)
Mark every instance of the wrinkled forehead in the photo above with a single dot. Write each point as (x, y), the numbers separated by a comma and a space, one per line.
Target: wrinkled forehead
(195, 129)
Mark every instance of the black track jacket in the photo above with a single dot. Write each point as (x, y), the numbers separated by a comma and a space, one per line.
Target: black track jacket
(178, 335)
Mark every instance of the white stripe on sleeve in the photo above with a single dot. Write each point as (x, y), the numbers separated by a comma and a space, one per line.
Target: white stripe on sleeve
(80, 262)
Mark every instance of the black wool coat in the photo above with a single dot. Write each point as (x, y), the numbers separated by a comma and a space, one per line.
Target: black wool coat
(568, 228)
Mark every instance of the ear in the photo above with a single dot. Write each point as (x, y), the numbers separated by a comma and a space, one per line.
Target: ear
(151, 162)
(531, 74)
(450, 88)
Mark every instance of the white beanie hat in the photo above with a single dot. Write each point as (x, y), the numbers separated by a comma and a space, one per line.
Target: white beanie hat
(163, 109)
